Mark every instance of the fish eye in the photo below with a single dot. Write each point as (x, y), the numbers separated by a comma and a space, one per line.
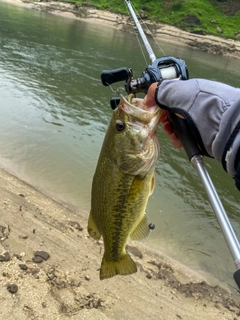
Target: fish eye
(120, 125)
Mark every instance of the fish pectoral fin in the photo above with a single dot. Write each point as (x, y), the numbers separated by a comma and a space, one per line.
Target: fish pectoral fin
(123, 266)
(152, 186)
(92, 228)
(142, 230)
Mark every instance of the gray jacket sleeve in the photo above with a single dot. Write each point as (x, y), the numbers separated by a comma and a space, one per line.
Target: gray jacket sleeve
(212, 110)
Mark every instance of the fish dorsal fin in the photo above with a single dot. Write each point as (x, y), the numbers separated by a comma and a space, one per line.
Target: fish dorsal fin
(141, 231)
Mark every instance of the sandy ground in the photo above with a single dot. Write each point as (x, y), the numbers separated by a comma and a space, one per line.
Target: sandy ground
(50, 269)
(66, 284)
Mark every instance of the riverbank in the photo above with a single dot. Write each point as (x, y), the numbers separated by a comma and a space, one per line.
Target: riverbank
(206, 43)
(50, 270)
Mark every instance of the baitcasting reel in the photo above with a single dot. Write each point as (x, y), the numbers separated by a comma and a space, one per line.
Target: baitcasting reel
(161, 69)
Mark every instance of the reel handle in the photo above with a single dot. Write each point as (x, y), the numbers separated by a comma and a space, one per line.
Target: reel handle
(111, 76)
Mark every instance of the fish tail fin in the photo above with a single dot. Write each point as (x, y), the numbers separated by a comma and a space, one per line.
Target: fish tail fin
(123, 266)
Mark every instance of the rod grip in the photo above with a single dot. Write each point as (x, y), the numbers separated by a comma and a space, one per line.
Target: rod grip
(185, 135)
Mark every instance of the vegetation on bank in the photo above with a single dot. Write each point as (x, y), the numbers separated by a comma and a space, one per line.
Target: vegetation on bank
(216, 17)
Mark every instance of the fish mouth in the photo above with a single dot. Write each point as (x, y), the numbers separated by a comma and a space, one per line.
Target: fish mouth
(139, 113)
(131, 103)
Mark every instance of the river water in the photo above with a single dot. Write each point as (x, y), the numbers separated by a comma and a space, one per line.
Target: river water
(54, 113)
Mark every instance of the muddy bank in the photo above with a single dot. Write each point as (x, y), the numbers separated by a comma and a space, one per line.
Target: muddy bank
(206, 43)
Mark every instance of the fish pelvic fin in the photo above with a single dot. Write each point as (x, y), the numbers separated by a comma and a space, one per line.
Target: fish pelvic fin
(123, 266)
(142, 230)
(92, 228)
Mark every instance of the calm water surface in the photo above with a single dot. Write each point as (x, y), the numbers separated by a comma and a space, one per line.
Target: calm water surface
(54, 113)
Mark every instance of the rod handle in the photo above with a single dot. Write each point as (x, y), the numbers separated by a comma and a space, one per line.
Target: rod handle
(185, 135)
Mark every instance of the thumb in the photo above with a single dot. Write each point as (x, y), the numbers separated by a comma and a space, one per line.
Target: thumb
(149, 99)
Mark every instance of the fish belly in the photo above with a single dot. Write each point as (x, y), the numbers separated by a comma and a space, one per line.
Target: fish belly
(117, 213)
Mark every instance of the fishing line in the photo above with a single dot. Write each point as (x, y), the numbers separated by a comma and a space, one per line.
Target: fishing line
(149, 32)
(174, 193)
(114, 91)
(137, 37)
(141, 47)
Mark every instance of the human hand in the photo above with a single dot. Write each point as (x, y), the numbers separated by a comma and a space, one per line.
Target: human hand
(211, 110)
(149, 101)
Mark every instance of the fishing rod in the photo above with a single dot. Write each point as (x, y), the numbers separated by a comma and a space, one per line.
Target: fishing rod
(175, 68)
(167, 67)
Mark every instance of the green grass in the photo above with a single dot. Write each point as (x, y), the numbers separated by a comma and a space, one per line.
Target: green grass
(177, 13)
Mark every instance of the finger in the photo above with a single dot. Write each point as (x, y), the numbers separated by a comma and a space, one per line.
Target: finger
(169, 131)
(164, 116)
(167, 128)
(175, 141)
(149, 99)
(152, 89)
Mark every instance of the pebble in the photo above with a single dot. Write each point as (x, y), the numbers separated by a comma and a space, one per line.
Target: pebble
(75, 225)
(34, 271)
(43, 254)
(87, 277)
(18, 256)
(23, 266)
(51, 276)
(12, 288)
(37, 259)
(5, 274)
(5, 257)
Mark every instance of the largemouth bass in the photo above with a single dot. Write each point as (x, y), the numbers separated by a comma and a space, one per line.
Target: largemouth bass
(122, 183)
